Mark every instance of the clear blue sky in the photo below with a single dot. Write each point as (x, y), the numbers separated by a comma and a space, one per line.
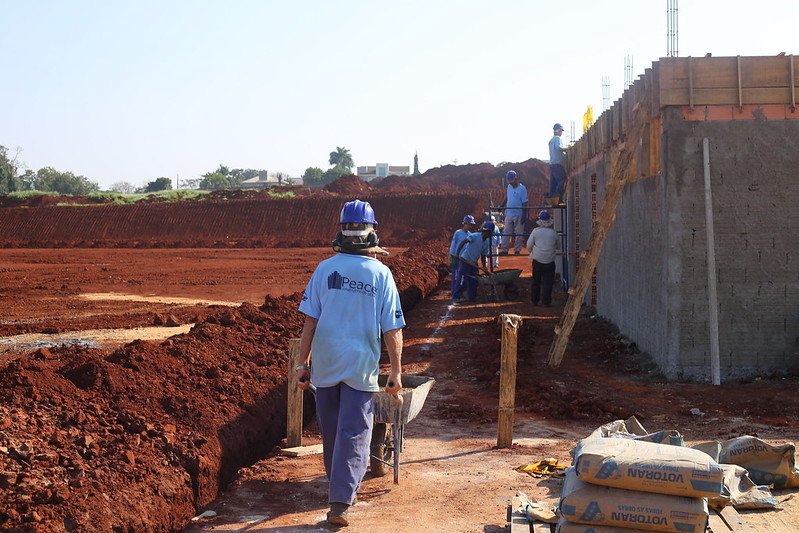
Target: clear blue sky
(140, 89)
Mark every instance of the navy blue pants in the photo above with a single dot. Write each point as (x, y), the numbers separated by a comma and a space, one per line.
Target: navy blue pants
(456, 279)
(345, 419)
(557, 180)
(468, 276)
(543, 277)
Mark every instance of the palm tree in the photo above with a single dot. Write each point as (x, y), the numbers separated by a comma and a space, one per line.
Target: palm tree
(342, 158)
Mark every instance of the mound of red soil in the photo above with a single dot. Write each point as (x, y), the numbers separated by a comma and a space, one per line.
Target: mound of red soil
(349, 185)
(533, 173)
(139, 439)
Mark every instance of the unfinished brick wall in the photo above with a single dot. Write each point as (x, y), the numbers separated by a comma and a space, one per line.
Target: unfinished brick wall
(652, 274)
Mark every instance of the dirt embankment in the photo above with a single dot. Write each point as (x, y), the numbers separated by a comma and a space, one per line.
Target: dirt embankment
(139, 439)
(308, 221)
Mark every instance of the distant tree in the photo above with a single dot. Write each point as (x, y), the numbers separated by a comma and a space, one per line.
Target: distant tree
(416, 164)
(214, 181)
(9, 181)
(342, 158)
(313, 176)
(332, 174)
(191, 183)
(28, 180)
(160, 184)
(122, 187)
(282, 178)
(52, 180)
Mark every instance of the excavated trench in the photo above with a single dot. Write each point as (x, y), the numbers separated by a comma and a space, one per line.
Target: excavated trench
(140, 438)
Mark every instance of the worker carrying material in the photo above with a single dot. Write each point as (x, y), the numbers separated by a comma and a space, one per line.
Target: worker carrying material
(457, 238)
(350, 301)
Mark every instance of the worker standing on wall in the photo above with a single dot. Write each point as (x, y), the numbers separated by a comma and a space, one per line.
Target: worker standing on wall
(473, 250)
(515, 213)
(543, 243)
(557, 165)
(349, 302)
(457, 238)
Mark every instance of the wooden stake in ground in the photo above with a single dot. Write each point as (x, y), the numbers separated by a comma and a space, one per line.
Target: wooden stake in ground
(294, 405)
(507, 379)
(620, 168)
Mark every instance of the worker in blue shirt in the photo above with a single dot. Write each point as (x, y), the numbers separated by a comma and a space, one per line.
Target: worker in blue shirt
(457, 238)
(350, 301)
(473, 249)
(515, 213)
(557, 162)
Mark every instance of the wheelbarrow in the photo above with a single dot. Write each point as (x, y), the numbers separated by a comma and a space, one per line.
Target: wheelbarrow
(506, 278)
(391, 414)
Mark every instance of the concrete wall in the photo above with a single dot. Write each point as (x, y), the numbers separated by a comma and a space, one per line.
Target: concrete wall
(754, 168)
(652, 274)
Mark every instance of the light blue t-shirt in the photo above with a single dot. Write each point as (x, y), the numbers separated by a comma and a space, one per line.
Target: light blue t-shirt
(556, 155)
(517, 197)
(457, 238)
(354, 298)
(475, 247)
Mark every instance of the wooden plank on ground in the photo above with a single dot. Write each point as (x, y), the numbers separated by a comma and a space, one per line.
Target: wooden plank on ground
(518, 520)
(734, 521)
(716, 525)
(301, 451)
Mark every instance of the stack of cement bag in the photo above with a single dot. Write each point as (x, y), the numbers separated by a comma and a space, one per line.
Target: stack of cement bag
(624, 484)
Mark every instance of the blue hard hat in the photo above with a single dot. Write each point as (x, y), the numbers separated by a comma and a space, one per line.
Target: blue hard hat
(468, 219)
(487, 226)
(511, 175)
(557, 126)
(543, 215)
(357, 212)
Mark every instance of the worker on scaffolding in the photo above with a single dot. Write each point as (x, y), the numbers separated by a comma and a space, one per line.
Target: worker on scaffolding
(543, 244)
(457, 238)
(557, 168)
(473, 249)
(515, 213)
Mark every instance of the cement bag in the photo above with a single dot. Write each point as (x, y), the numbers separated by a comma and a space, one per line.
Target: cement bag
(632, 429)
(712, 448)
(766, 464)
(648, 467)
(583, 503)
(568, 527)
(741, 492)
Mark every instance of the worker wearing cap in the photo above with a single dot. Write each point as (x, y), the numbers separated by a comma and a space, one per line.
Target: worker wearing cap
(350, 301)
(457, 238)
(543, 243)
(557, 162)
(515, 213)
(472, 250)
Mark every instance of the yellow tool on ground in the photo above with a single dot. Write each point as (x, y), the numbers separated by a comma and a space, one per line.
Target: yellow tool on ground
(545, 467)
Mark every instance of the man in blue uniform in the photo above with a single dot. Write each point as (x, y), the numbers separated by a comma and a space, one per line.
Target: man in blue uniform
(350, 301)
(515, 214)
(457, 238)
(473, 249)
(557, 161)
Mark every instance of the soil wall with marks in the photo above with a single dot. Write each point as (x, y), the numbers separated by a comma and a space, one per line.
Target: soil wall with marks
(139, 439)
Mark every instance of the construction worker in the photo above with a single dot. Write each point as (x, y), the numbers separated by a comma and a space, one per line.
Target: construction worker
(472, 249)
(543, 243)
(557, 161)
(349, 302)
(496, 239)
(457, 238)
(515, 213)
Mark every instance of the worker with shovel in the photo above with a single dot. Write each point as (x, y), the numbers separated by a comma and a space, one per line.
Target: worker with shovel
(457, 238)
(474, 248)
(349, 302)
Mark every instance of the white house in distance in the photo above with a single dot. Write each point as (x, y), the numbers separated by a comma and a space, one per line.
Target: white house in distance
(382, 170)
(264, 180)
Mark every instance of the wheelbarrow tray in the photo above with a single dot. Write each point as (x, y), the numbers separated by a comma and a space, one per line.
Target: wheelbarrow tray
(500, 277)
(387, 409)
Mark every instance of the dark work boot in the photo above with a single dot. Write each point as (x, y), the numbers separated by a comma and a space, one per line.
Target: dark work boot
(337, 515)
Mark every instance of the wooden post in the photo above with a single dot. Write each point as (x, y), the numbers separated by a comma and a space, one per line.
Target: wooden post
(507, 379)
(294, 404)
